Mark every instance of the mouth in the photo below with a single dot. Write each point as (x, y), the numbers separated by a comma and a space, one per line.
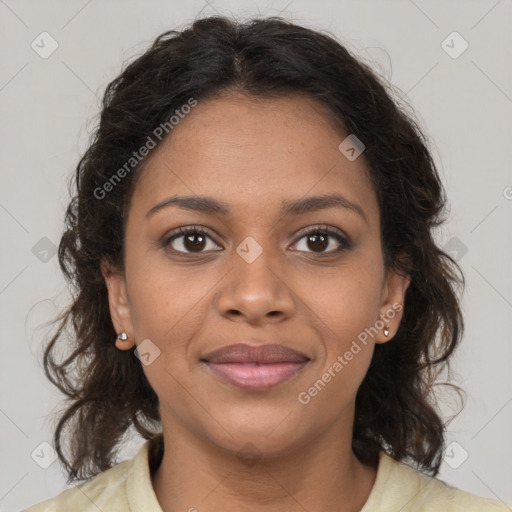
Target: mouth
(256, 376)
(255, 368)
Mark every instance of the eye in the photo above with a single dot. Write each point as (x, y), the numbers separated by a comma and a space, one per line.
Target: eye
(188, 240)
(193, 239)
(320, 238)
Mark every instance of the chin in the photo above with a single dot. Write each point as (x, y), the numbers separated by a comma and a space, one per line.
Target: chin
(263, 438)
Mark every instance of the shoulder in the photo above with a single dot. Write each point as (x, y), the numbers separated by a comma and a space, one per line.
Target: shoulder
(398, 486)
(119, 488)
(104, 491)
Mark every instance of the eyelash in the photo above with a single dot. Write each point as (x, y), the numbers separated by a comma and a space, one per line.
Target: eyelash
(344, 242)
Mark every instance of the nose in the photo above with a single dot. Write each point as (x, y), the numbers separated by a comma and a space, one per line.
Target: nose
(256, 291)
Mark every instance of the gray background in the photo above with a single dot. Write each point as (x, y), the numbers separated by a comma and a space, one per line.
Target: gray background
(464, 103)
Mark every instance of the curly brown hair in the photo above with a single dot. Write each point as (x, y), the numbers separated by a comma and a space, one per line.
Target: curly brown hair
(106, 389)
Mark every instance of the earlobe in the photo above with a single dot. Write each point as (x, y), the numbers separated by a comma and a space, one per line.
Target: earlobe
(118, 306)
(392, 305)
(123, 342)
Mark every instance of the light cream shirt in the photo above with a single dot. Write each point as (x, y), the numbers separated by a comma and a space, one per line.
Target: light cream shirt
(398, 488)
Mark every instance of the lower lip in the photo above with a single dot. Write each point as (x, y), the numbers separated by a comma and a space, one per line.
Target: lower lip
(256, 377)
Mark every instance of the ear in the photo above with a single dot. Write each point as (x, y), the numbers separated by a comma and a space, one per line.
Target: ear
(118, 304)
(392, 304)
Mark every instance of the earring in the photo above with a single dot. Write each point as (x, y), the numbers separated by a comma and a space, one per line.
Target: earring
(122, 336)
(386, 331)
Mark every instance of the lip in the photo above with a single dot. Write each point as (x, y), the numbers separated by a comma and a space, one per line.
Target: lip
(255, 367)
(254, 376)
(263, 354)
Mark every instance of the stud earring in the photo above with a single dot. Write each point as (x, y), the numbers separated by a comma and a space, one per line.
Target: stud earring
(386, 331)
(122, 336)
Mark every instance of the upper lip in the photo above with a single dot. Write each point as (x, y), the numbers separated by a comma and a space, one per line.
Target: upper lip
(263, 354)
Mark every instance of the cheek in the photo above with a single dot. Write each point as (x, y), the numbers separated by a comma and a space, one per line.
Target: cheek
(167, 309)
(344, 301)
(343, 309)
(159, 298)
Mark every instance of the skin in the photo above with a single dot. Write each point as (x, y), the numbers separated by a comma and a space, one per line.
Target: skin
(268, 152)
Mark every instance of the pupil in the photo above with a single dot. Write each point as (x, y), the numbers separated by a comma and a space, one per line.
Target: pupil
(194, 245)
(323, 243)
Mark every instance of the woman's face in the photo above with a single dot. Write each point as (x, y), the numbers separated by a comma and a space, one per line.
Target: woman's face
(256, 277)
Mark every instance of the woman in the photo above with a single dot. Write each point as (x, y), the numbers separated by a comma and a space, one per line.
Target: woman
(258, 289)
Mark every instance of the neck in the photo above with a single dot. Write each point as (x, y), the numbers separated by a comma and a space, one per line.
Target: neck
(320, 475)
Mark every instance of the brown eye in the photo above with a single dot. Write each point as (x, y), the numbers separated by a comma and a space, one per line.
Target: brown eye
(189, 240)
(318, 240)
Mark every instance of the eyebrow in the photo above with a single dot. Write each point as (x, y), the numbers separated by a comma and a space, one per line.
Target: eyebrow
(205, 204)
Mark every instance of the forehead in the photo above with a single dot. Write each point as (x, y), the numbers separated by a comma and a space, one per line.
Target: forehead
(255, 153)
